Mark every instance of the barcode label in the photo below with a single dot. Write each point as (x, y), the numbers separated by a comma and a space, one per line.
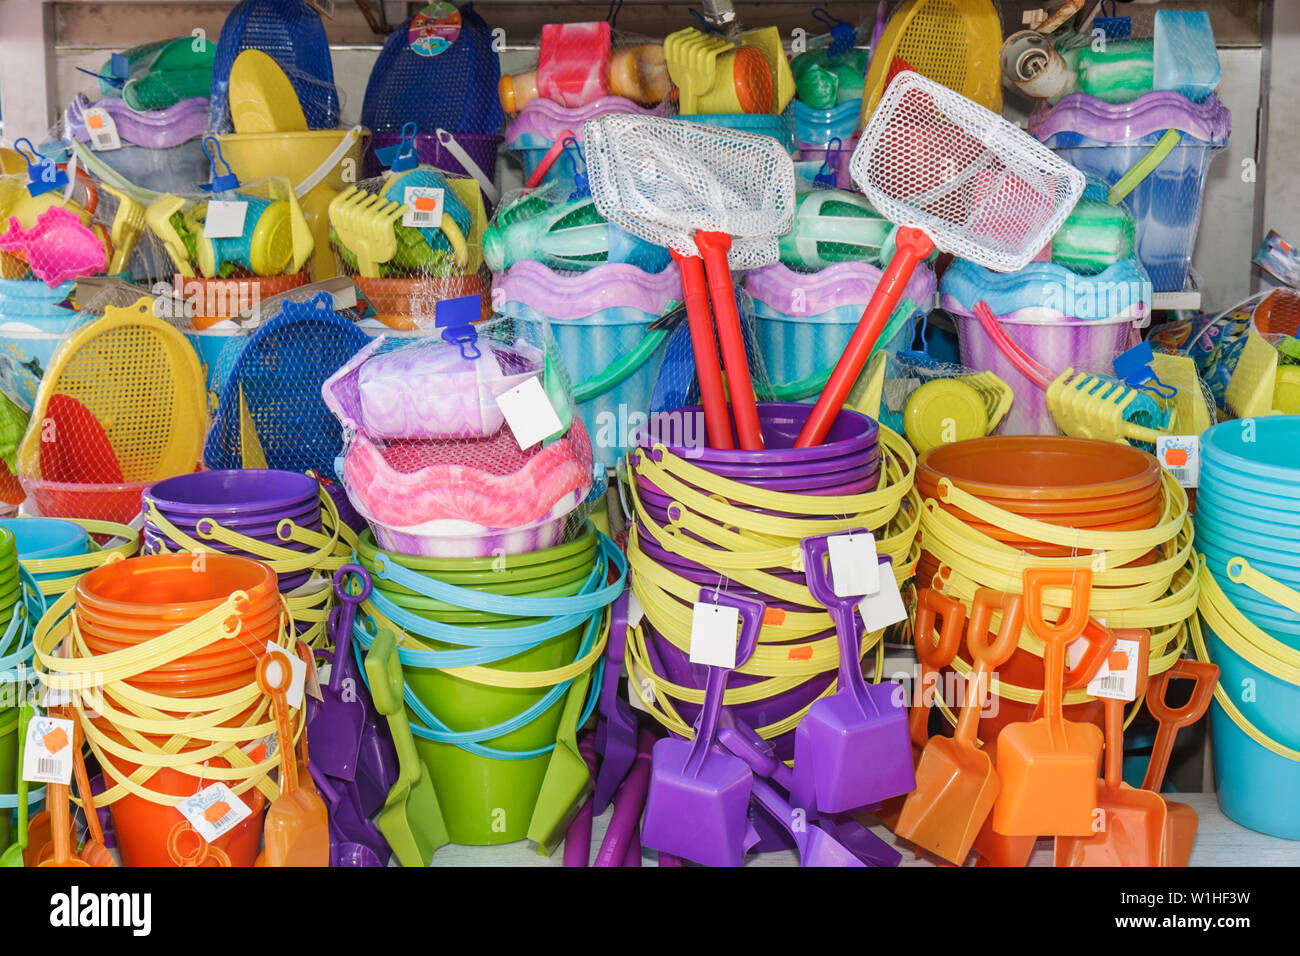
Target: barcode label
(102, 129)
(195, 809)
(1181, 456)
(229, 820)
(1113, 681)
(423, 207)
(47, 767)
(47, 751)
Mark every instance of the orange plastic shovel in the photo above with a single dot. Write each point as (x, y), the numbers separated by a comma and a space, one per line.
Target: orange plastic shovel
(931, 605)
(956, 785)
(1129, 824)
(94, 853)
(297, 825)
(1048, 767)
(1180, 821)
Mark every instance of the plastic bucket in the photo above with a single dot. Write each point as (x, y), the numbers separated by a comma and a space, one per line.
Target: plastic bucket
(814, 127)
(850, 433)
(601, 322)
(1083, 344)
(219, 300)
(45, 538)
(780, 127)
(233, 493)
(809, 159)
(8, 766)
(1256, 787)
(407, 304)
(298, 155)
(170, 589)
(218, 350)
(119, 503)
(480, 147)
(32, 325)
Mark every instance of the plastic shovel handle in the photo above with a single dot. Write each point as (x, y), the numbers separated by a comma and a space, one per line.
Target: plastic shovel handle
(628, 805)
(695, 295)
(1205, 677)
(1114, 712)
(713, 248)
(1100, 642)
(548, 160)
(1055, 637)
(931, 605)
(988, 654)
(347, 615)
(913, 246)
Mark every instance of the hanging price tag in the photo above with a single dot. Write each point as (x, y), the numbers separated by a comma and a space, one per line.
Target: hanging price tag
(297, 673)
(423, 207)
(103, 130)
(855, 569)
(225, 219)
(713, 634)
(214, 810)
(885, 607)
(635, 613)
(1117, 678)
(529, 413)
(47, 754)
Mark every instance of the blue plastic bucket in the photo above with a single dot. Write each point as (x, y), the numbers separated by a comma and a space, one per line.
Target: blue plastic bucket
(42, 539)
(31, 327)
(1256, 787)
(764, 124)
(218, 349)
(813, 127)
(599, 319)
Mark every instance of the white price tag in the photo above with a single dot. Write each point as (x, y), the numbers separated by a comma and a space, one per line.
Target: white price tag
(885, 607)
(214, 810)
(47, 754)
(529, 412)
(1117, 678)
(855, 567)
(297, 673)
(637, 685)
(224, 219)
(103, 130)
(423, 207)
(635, 613)
(1181, 454)
(713, 634)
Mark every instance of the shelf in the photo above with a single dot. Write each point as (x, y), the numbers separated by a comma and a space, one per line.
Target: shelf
(1219, 842)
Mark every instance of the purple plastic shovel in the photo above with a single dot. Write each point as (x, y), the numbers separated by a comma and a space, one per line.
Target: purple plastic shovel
(616, 730)
(354, 838)
(339, 721)
(577, 840)
(697, 806)
(628, 804)
(816, 847)
(851, 748)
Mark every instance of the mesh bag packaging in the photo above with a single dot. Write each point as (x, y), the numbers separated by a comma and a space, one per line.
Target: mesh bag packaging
(433, 462)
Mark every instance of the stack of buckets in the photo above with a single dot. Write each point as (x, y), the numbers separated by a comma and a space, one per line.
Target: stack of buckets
(128, 606)
(1248, 507)
(15, 655)
(601, 320)
(671, 563)
(487, 744)
(1061, 483)
(42, 540)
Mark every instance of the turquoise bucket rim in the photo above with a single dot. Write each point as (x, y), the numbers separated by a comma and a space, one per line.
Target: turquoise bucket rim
(1253, 510)
(80, 537)
(1215, 532)
(1215, 451)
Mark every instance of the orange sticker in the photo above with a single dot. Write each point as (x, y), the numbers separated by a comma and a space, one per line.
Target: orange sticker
(56, 740)
(774, 616)
(214, 813)
(1117, 661)
(258, 753)
(95, 121)
(801, 653)
(1175, 457)
(425, 203)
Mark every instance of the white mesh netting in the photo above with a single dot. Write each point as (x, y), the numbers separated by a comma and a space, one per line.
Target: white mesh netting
(663, 180)
(980, 187)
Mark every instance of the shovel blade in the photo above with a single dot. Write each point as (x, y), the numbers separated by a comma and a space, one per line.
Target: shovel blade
(411, 821)
(1047, 789)
(565, 787)
(1130, 831)
(955, 792)
(1180, 833)
(703, 818)
(335, 736)
(855, 758)
(297, 831)
(819, 848)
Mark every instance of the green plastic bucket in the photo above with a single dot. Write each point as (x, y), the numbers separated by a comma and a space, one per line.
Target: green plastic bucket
(8, 768)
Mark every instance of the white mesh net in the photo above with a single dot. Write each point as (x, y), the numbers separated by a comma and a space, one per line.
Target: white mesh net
(977, 185)
(663, 180)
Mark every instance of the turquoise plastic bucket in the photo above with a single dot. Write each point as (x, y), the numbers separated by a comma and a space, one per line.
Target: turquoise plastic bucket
(32, 325)
(217, 350)
(1256, 787)
(780, 128)
(40, 539)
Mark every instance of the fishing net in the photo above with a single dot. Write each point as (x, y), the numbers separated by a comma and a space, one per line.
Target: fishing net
(465, 445)
(291, 33)
(664, 180)
(410, 241)
(979, 186)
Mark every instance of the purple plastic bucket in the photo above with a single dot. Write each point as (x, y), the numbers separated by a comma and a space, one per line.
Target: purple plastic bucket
(480, 147)
(1083, 344)
(850, 434)
(233, 492)
(867, 461)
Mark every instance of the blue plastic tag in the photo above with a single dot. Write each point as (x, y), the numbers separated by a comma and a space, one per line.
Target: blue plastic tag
(825, 177)
(456, 318)
(119, 68)
(1133, 367)
(843, 36)
(400, 156)
(221, 182)
(42, 175)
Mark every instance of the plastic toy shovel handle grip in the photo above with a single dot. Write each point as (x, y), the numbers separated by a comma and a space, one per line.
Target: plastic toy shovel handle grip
(713, 248)
(1055, 637)
(913, 246)
(347, 615)
(275, 687)
(1100, 641)
(987, 654)
(932, 606)
(548, 160)
(1205, 676)
(695, 293)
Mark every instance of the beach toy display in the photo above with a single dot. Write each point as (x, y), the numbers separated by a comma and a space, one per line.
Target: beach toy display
(715, 76)
(1057, 317)
(433, 464)
(1246, 515)
(121, 406)
(803, 322)
(152, 626)
(993, 507)
(603, 322)
(1111, 141)
(492, 737)
(731, 521)
(57, 551)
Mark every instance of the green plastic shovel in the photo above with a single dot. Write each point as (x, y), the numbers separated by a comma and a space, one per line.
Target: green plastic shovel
(568, 780)
(411, 819)
(13, 856)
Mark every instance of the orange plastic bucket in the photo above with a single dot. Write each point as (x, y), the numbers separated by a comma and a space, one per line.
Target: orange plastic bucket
(170, 589)
(396, 300)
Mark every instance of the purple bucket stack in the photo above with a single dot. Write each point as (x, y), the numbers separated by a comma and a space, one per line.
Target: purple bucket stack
(250, 502)
(848, 463)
